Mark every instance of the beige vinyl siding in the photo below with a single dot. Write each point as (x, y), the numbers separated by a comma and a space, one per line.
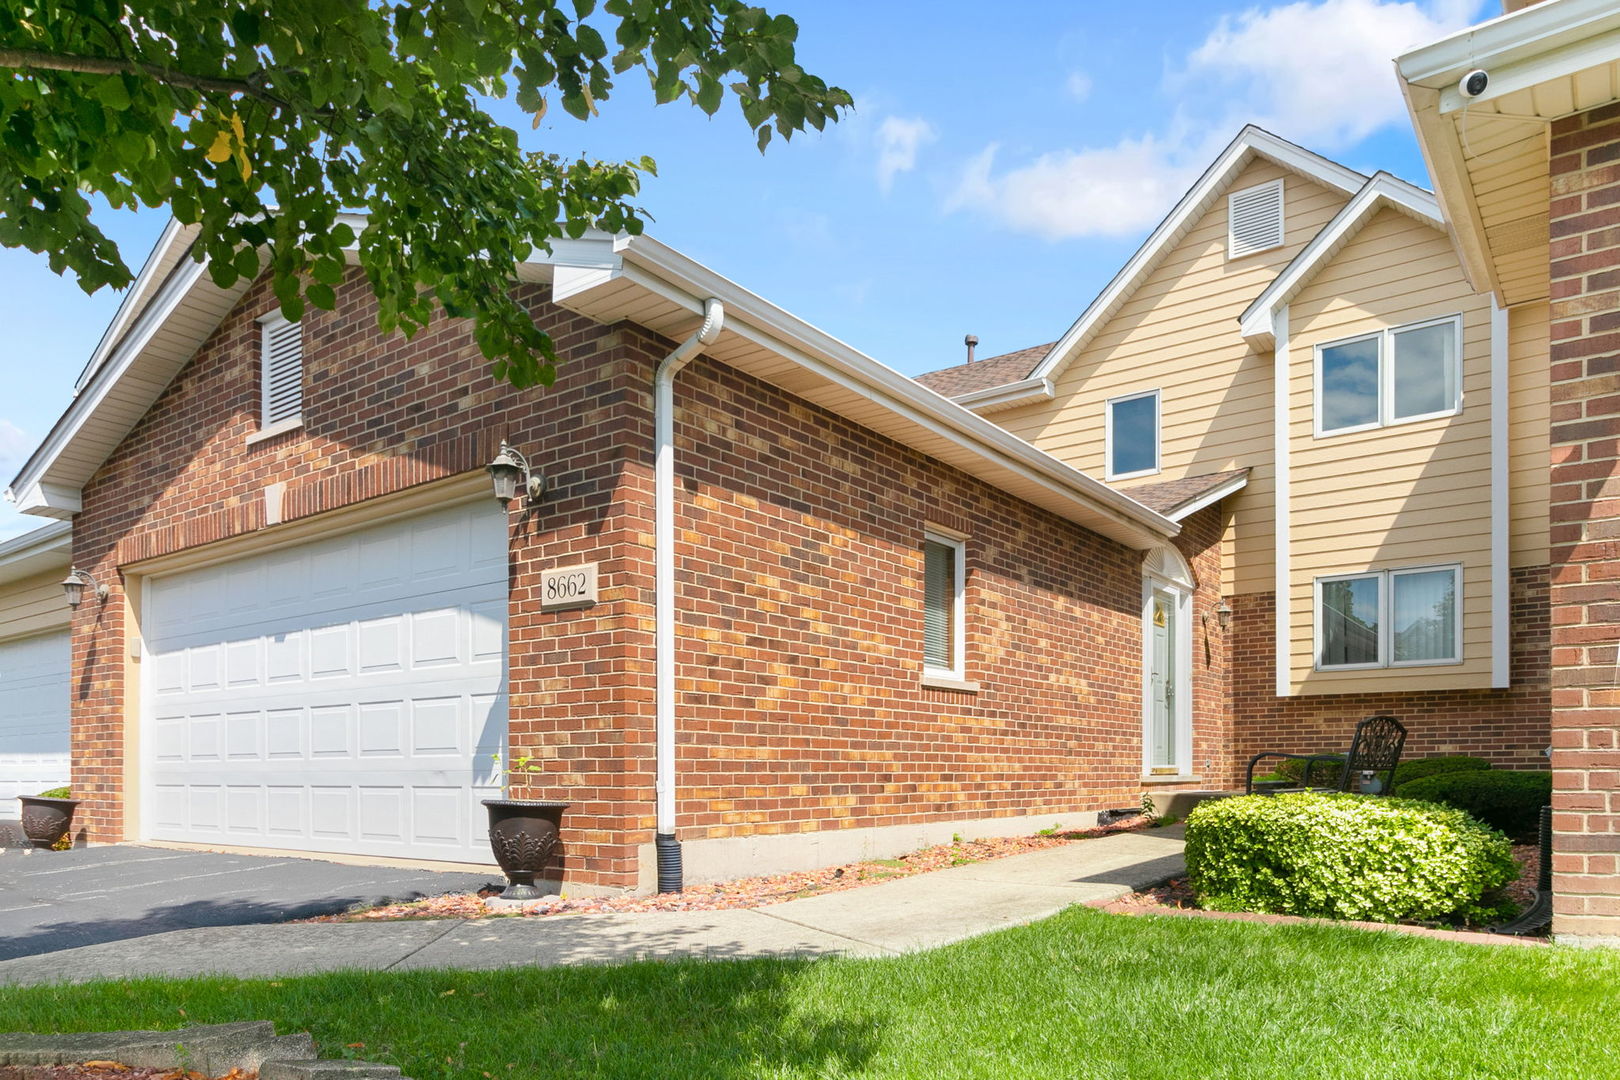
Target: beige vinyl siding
(1528, 445)
(33, 605)
(1178, 333)
(1407, 495)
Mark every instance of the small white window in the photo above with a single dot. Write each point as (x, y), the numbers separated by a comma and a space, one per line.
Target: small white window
(943, 582)
(1254, 219)
(1131, 435)
(1389, 618)
(1393, 376)
(281, 373)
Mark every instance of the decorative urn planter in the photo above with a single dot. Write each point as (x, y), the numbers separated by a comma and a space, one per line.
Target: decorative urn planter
(46, 820)
(523, 834)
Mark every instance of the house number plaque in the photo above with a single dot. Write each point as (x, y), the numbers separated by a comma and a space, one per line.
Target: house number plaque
(568, 586)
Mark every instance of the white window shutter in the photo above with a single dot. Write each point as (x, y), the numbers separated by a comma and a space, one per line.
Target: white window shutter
(1254, 219)
(281, 374)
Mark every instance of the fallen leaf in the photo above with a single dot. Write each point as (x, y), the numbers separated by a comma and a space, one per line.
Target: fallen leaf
(447, 993)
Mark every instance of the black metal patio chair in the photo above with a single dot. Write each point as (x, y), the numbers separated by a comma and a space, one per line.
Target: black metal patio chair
(1376, 748)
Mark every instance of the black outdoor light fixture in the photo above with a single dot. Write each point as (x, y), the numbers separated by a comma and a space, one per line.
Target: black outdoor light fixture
(73, 585)
(508, 470)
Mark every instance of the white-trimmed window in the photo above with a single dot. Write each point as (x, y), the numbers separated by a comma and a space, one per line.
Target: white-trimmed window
(1254, 219)
(1131, 435)
(944, 579)
(281, 374)
(1410, 617)
(1393, 376)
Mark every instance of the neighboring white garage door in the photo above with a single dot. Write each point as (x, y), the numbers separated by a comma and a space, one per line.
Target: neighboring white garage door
(342, 695)
(33, 717)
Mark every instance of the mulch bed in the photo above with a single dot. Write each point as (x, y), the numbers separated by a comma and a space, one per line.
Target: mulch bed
(744, 892)
(1177, 895)
(110, 1070)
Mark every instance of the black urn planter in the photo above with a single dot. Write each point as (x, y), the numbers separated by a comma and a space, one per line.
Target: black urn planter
(523, 834)
(46, 820)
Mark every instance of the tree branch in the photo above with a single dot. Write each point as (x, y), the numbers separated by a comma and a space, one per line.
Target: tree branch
(31, 60)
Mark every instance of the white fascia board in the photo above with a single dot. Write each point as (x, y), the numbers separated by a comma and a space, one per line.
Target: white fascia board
(1510, 77)
(1538, 33)
(667, 272)
(46, 548)
(1454, 191)
(1209, 498)
(1249, 142)
(1257, 323)
(34, 494)
(134, 299)
(1006, 396)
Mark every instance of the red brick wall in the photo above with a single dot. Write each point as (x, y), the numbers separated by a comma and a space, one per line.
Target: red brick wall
(383, 415)
(1584, 259)
(800, 569)
(1507, 727)
(799, 573)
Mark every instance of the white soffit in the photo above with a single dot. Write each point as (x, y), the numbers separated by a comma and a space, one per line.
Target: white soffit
(47, 548)
(1383, 190)
(1488, 154)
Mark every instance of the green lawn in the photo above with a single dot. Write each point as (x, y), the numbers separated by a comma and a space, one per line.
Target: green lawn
(1080, 995)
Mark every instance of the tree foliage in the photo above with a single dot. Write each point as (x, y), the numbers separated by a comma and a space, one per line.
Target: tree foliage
(262, 121)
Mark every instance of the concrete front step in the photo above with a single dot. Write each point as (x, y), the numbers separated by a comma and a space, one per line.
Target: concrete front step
(211, 1049)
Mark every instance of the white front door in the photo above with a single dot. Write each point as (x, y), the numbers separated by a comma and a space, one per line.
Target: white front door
(344, 694)
(33, 717)
(1163, 736)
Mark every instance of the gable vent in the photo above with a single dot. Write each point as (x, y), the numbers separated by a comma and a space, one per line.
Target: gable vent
(1254, 219)
(282, 373)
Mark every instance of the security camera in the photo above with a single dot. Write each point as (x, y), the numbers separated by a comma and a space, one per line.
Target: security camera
(1474, 83)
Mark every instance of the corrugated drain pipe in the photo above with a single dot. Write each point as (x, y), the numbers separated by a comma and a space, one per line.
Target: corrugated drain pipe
(668, 848)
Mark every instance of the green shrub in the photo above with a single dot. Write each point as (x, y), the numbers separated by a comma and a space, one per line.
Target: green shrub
(1510, 801)
(1418, 768)
(57, 793)
(1342, 856)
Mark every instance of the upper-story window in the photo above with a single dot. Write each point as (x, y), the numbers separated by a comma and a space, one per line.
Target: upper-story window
(1393, 376)
(1254, 219)
(944, 581)
(1132, 435)
(281, 373)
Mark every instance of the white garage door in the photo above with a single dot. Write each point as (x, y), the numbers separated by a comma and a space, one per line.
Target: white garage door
(33, 717)
(342, 695)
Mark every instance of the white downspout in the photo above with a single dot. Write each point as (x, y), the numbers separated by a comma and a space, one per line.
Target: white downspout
(668, 848)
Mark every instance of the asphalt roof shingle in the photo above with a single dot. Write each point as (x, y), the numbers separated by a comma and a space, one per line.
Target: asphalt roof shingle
(983, 374)
(1169, 496)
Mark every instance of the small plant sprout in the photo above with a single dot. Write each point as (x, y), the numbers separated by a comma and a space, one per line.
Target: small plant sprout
(523, 765)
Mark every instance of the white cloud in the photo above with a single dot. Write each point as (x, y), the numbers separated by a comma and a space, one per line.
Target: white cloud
(1078, 84)
(1318, 72)
(1113, 191)
(899, 138)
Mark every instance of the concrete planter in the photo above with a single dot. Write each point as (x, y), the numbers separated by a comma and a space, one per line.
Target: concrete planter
(523, 834)
(46, 820)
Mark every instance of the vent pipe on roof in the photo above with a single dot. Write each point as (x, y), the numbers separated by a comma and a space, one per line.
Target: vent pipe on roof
(970, 341)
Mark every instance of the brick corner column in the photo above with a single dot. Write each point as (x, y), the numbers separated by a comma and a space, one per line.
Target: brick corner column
(1584, 514)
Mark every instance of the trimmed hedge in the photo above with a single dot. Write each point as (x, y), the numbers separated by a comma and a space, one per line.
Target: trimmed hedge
(1418, 768)
(1343, 856)
(1506, 800)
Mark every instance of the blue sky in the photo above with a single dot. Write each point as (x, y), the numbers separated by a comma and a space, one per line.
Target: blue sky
(1002, 162)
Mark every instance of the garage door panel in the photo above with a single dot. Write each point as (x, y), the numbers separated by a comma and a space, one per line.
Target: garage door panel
(335, 728)
(33, 717)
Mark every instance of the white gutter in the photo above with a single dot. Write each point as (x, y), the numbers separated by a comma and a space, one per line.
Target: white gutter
(668, 848)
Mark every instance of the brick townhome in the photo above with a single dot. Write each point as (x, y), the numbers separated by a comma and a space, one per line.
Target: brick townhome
(319, 627)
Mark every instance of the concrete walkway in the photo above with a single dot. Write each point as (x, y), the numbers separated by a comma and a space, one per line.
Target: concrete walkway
(912, 913)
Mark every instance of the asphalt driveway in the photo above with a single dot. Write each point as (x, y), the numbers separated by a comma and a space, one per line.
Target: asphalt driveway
(62, 900)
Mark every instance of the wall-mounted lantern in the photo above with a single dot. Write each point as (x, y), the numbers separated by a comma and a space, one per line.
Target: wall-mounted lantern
(74, 584)
(510, 469)
(1223, 613)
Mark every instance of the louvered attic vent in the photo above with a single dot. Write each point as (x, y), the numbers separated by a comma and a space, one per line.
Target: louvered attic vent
(1254, 219)
(282, 373)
